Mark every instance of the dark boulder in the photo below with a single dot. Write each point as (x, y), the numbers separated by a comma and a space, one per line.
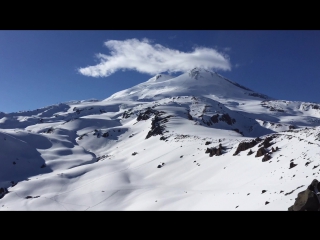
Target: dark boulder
(266, 157)
(250, 152)
(106, 134)
(261, 152)
(244, 146)
(307, 200)
(292, 165)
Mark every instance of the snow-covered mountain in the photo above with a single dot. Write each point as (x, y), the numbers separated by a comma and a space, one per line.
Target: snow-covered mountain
(194, 142)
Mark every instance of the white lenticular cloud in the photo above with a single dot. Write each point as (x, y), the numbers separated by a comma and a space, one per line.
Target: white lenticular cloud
(145, 57)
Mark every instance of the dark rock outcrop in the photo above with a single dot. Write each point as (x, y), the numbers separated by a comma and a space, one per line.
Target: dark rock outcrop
(267, 142)
(307, 200)
(50, 130)
(266, 157)
(292, 165)
(215, 150)
(261, 152)
(106, 134)
(215, 118)
(126, 114)
(226, 118)
(246, 145)
(3, 191)
(146, 114)
(250, 152)
(157, 125)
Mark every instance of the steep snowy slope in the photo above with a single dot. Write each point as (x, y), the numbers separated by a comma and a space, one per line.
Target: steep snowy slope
(193, 142)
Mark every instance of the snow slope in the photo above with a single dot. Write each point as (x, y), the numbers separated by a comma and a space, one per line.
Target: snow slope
(148, 148)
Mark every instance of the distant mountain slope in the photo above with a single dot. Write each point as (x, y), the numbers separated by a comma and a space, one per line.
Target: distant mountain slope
(197, 82)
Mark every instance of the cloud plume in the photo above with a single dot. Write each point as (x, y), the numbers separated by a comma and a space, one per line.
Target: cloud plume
(145, 57)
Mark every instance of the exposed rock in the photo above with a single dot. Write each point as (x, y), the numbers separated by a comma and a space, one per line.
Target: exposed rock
(3, 191)
(82, 136)
(215, 151)
(261, 152)
(250, 152)
(207, 143)
(307, 200)
(106, 134)
(226, 118)
(50, 130)
(157, 125)
(266, 157)
(215, 118)
(245, 145)
(292, 165)
(145, 115)
(134, 153)
(267, 142)
(126, 114)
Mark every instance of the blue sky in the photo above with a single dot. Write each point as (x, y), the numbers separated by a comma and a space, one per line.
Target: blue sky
(40, 68)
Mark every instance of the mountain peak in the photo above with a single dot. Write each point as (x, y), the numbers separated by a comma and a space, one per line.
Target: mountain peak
(195, 82)
(159, 78)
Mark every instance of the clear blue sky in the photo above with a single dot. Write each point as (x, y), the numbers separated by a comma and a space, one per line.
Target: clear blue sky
(40, 68)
